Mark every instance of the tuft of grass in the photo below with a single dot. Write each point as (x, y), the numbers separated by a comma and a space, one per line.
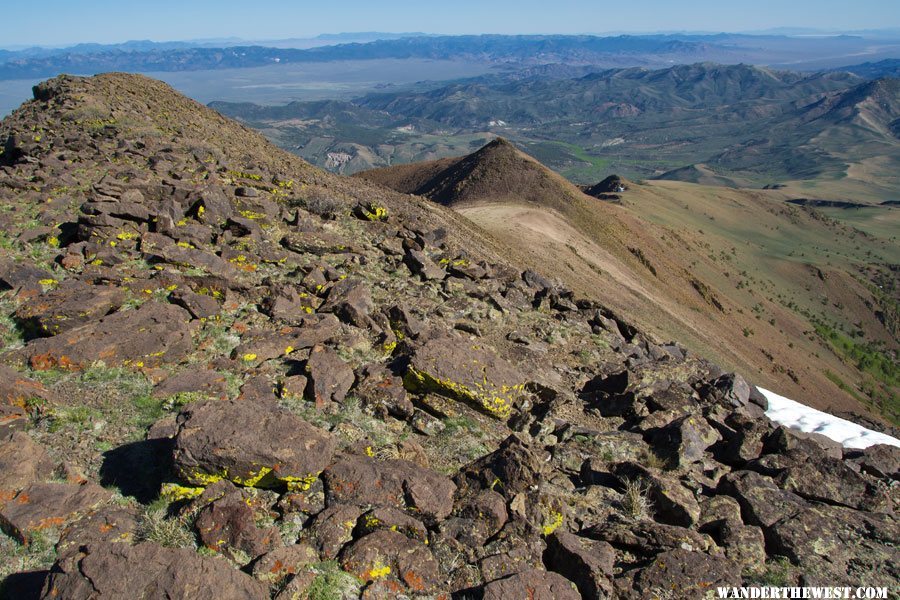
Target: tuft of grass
(778, 572)
(156, 527)
(331, 583)
(636, 500)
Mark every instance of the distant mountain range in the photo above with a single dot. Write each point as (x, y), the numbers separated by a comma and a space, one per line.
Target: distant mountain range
(718, 124)
(516, 51)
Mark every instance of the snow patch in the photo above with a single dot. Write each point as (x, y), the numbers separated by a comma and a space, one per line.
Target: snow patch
(794, 415)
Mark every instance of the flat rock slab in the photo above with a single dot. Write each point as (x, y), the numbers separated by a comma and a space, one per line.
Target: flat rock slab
(364, 481)
(458, 368)
(69, 305)
(22, 462)
(250, 443)
(145, 337)
(150, 572)
(42, 505)
(111, 524)
(23, 277)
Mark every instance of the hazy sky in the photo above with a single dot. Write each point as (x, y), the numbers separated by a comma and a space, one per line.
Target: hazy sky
(54, 22)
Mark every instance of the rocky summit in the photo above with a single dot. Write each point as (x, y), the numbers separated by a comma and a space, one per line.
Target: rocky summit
(227, 374)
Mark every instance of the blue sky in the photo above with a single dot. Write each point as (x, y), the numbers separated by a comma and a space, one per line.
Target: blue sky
(56, 22)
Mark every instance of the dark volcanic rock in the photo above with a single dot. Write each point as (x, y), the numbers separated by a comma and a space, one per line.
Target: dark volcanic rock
(148, 336)
(364, 481)
(692, 574)
(880, 460)
(392, 556)
(762, 503)
(330, 378)
(110, 524)
(333, 528)
(586, 562)
(69, 305)
(22, 462)
(227, 525)
(454, 367)
(249, 444)
(513, 468)
(829, 543)
(148, 571)
(42, 505)
(534, 584)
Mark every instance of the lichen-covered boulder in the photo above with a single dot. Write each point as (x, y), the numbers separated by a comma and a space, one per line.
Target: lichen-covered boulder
(249, 443)
(469, 372)
(390, 556)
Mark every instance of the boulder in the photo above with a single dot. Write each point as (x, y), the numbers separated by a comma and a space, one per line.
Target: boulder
(249, 443)
(351, 301)
(110, 524)
(333, 528)
(833, 545)
(762, 503)
(510, 469)
(193, 381)
(145, 337)
(22, 462)
(69, 305)
(151, 572)
(389, 555)
(647, 537)
(201, 306)
(330, 378)
(672, 502)
(686, 439)
(260, 345)
(534, 584)
(364, 481)
(24, 278)
(457, 368)
(587, 563)
(692, 574)
(39, 506)
(834, 482)
(422, 265)
(275, 566)
(880, 460)
(387, 517)
(384, 393)
(227, 525)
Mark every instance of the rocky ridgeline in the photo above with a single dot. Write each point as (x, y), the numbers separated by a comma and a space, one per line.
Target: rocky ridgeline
(352, 395)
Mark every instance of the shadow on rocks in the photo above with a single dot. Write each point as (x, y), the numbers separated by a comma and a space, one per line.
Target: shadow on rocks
(23, 586)
(138, 469)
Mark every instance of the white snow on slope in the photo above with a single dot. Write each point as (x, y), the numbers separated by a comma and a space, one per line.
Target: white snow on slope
(798, 416)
